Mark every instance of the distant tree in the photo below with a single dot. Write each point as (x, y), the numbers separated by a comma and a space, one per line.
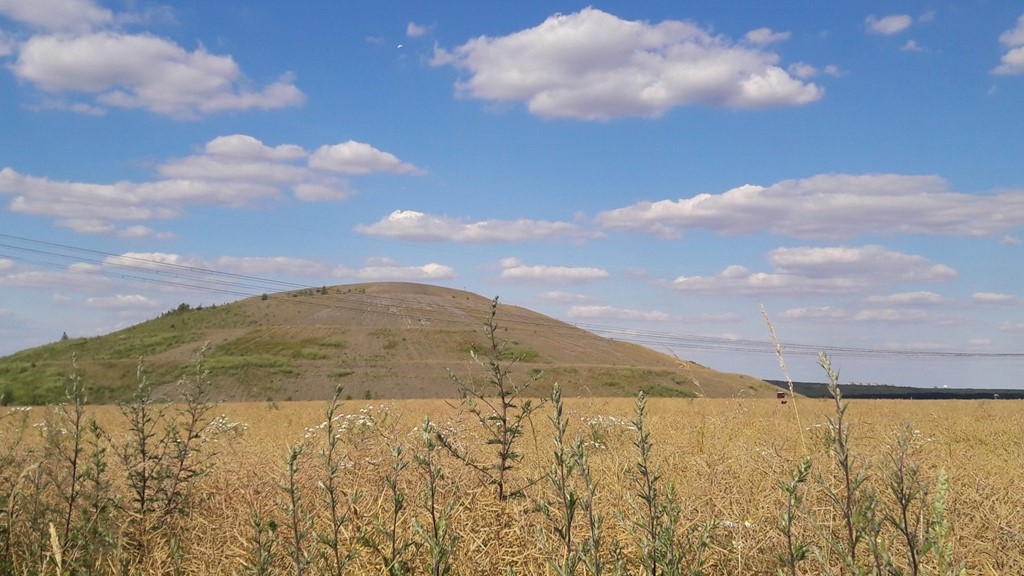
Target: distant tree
(64, 337)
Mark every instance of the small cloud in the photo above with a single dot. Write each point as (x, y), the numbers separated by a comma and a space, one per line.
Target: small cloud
(386, 269)
(821, 313)
(414, 30)
(515, 271)
(1010, 240)
(563, 297)
(888, 25)
(893, 316)
(413, 225)
(912, 46)
(765, 36)
(996, 298)
(357, 158)
(121, 301)
(802, 70)
(1012, 327)
(611, 313)
(1013, 61)
(908, 298)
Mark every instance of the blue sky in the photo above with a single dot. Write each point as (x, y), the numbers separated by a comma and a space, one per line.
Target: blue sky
(649, 170)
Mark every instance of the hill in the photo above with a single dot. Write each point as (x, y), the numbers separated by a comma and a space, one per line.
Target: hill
(378, 340)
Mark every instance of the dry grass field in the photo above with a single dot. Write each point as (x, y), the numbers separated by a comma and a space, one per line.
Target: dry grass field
(259, 504)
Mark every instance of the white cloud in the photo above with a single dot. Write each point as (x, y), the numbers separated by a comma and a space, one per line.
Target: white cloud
(1012, 327)
(1013, 61)
(830, 207)
(386, 269)
(356, 158)
(592, 65)
(235, 171)
(57, 15)
(996, 298)
(1010, 240)
(908, 298)
(121, 301)
(817, 314)
(911, 46)
(412, 225)
(142, 71)
(888, 25)
(802, 70)
(139, 231)
(414, 30)
(6, 263)
(514, 270)
(820, 271)
(611, 313)
(563, 297)
(765, 36)
(894, 316)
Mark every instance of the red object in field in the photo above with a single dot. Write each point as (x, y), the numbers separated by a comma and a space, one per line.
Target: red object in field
(781, 395)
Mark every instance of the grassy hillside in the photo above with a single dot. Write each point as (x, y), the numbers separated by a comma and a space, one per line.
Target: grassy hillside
(379, 340)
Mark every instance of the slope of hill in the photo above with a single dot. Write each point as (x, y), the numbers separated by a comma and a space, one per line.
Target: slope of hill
(378, 340)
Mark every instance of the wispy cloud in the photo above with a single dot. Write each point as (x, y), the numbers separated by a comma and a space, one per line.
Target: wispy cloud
(514, 270)
(813, 270)
(413, 225)
(829, 207)
(1012, 62)
(888, 25)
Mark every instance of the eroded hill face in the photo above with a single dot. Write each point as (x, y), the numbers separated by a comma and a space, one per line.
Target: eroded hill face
(378, 340)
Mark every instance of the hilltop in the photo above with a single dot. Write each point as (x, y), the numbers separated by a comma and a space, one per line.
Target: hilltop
(378, 340)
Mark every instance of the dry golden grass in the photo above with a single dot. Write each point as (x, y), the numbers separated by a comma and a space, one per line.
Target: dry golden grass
(724, 456)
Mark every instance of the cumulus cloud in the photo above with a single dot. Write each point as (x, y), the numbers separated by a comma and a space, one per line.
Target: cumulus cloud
(1012, 63)
(234, 171)
(829, 207)
(817, 270)
(57, 15)
(592, 65)
(413, 225)
(356, 158)
(77, 56)
(513, 269)
(888, 25)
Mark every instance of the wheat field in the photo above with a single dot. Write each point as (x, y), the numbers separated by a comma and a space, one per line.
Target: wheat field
(725, 460)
